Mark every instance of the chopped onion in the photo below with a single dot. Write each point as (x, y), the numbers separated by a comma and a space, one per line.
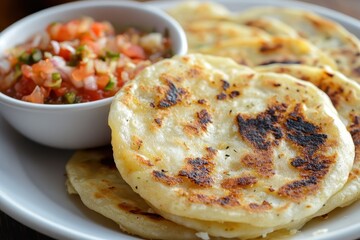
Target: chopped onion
(56, 46)
(4, 65)
(36, 41)
(125, 76)
(101, 66)
(90, 83)
(203, 235)
(60, 64)
(102, 42)
(151, 41)
(68, 47)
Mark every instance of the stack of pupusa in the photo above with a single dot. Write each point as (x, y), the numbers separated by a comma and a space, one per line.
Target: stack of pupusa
(223, 150)
(267, 35)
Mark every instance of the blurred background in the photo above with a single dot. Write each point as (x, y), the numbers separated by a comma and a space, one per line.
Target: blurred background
(13, 10)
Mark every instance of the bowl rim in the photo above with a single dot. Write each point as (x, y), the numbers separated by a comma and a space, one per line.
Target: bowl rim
(76, 6)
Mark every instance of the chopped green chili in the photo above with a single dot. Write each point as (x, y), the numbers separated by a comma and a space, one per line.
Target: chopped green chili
(18, 71)
(112, 55)
(24, 58)
(36, 55)
(111, 84)
(70, 97)
(56, 80)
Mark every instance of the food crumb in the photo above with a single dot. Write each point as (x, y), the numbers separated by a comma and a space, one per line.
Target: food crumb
(203, 235)
(320, 231)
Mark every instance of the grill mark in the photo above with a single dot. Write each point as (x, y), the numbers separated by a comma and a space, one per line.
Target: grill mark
(234, 94)
(227, 201)
(225, 85)
(316, 166)
(211, 152)
(296, 190)
(267, 48)
(280, 61)
(261, 162)
(198, 171)
(267, 128)
(204, 118)
(194, 72)
(256, 131)
(354, 130)
(311, 163)
(144, 161)
(165, 179)
(158, 121)
(135, 210)
(303, 133)
(262, 132)
(265, 205)
(136, 143)
(201, 101)
(335, 93)
(191, 130)
(172, 96)
(238, 182)
(221, 96)
(201, 124)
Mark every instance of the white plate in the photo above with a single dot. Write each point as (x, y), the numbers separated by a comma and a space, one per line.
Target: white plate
(32, 177)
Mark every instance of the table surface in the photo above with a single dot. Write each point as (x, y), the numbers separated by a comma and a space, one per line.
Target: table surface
(11, 229)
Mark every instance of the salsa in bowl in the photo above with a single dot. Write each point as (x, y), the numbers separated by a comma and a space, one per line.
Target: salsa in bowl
(61, 66)
(77, 61)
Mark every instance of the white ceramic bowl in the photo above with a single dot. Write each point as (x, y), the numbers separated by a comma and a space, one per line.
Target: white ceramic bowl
(82, 125)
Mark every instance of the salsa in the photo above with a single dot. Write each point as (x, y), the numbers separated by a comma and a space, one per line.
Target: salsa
(78, 61)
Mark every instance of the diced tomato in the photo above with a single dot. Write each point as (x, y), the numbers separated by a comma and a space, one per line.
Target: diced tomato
(92, 95)
(42, 66)
(41, 71)
(26, 71)
(65, 53)
(60, 91)
(53, 30)
(24, 87)
(120, 82)
(102, 81)
(119, 70)
(92, 45)
(134, 51)
(65, 87)
(36, 96)
(81, 72)
(98, 29)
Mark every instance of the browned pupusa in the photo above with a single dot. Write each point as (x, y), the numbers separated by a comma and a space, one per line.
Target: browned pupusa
(259, 51)
(345, 95)
(220, 142)
(92, 174)
(329, 36)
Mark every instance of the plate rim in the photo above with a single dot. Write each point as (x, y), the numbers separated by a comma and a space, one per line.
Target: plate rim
(38, 223)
